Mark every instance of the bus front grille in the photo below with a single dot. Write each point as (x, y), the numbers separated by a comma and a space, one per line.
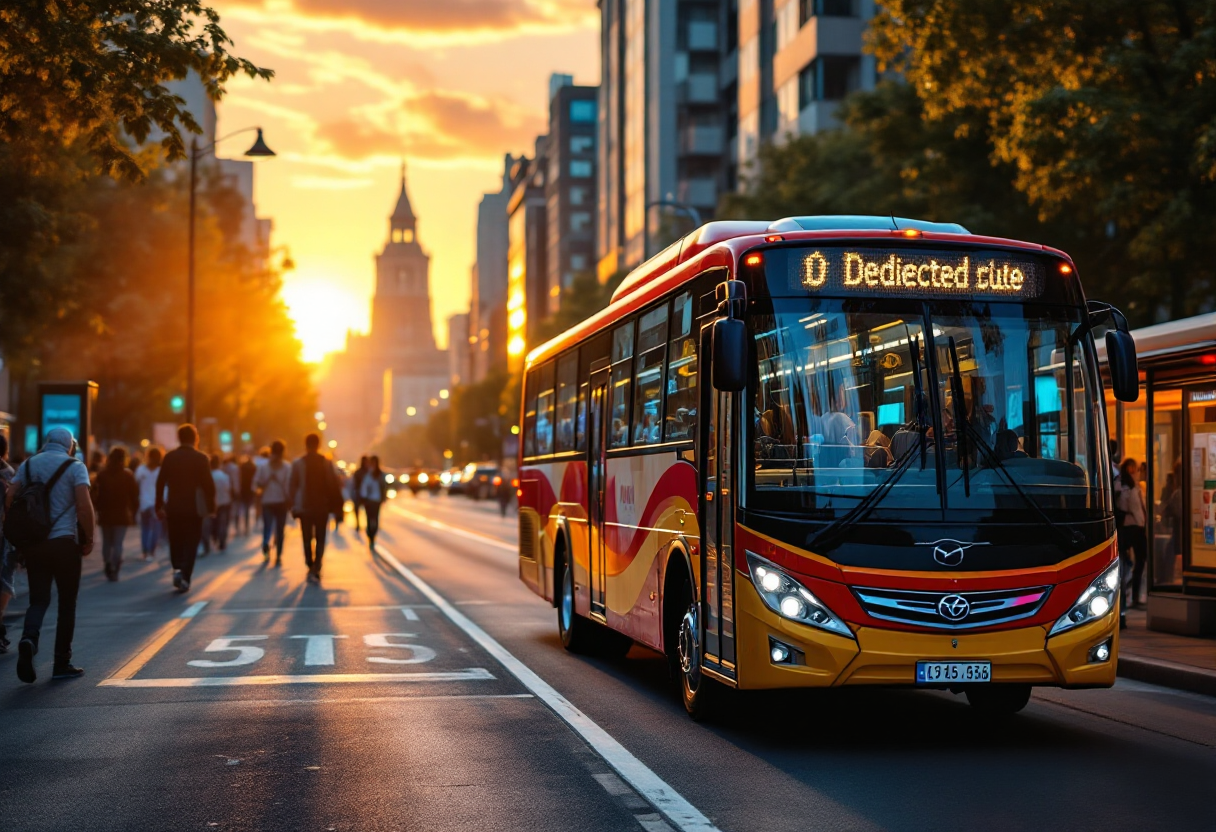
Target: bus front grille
(952, 610)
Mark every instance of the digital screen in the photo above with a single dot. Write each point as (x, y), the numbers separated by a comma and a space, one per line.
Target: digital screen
(915, 273)
(62, 410)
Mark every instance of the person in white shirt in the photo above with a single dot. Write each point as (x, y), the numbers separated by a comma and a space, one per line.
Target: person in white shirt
(272, 481)
(217, 525)
(234, 478)
(373, 489)
(149, 523)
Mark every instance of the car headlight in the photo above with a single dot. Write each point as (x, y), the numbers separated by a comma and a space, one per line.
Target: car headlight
(790, 599)
(1097, 600)
(422, 478)
(405, 479)
(390, 479)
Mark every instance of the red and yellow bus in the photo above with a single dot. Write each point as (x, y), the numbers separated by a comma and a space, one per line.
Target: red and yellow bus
(831, 451)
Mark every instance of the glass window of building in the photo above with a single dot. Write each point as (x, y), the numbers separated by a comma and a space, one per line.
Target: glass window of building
(582, 112)
(581, 168)
(681, 421)
(579, 195)
(622, 377)
(582, 144)
(787, 23)
(788, 105)
(1168, 500)
(1201, 412)
(841, 75)
(648, 387)
(580, 221)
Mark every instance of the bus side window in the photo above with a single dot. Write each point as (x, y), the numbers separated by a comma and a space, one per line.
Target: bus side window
(648, 390)
(544, 410)
(622, 379)
(567, 401)
(530, 414)
(681, 373)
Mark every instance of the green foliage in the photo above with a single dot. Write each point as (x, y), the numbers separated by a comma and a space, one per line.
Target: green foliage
(1104, 111)
(90, 70)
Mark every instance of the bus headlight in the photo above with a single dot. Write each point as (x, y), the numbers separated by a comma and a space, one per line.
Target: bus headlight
(790, 599)
(1097, 600)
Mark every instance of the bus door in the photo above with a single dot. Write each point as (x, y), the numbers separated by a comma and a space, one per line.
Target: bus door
(718, 529)
(597, 487)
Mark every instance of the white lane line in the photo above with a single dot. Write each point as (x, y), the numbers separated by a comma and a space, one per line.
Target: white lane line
(649, 785)
(410, 615)
(194, 609)
(435, 524)
(335, 608)
(471, 674)
(376, 699)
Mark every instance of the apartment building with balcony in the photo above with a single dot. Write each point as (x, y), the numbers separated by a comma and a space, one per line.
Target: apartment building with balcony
(667, 116)
(797, 60)
(527, 253)
(570, 184)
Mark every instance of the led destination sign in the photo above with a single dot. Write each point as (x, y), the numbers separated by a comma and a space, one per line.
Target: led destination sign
(918, 273)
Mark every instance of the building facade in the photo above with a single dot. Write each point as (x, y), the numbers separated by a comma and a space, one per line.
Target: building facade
(459, 365)
(395, 375)
(488, 296)
(797, 60)
(570, 184)
(527, 253)
(667, 105)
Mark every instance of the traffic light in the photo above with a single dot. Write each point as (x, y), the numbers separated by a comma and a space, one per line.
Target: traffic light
(177, 404)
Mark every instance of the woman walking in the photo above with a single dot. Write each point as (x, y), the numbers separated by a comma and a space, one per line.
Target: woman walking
(272, 481)
(149, 523)
(372, 491)
(1131, 534)
(116, 496)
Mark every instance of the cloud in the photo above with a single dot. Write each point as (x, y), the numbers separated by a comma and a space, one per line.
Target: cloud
(442, 16)
(437, 125)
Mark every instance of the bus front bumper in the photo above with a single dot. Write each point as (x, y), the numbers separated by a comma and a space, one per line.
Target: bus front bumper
(888, 657)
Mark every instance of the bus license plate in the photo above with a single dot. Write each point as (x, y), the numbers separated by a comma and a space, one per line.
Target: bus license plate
(938, 673)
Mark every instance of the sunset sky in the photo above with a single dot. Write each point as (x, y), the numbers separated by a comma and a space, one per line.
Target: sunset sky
(448, 85)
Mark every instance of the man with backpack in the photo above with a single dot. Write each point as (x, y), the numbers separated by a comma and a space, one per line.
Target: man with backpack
(315, 493)
(186, 476)
(49, 519)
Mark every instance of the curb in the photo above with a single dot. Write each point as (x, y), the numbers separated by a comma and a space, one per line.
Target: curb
(1167, 674)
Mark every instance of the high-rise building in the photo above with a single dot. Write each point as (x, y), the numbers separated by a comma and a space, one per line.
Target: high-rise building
(394, 375)
(459, 368)
(666, 119)
(488, 298)
(570, 184)
(527, 253)
(797, 60)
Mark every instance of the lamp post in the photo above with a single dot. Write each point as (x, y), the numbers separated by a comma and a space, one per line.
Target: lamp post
(259, 149)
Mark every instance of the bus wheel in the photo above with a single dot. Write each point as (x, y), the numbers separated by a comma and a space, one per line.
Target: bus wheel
(575, 631)
(700, 694)
(998, 700)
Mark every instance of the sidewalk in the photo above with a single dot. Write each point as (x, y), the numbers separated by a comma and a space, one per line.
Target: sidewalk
(1168, 660)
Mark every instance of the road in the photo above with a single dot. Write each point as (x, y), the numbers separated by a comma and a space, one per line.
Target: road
(427, 690)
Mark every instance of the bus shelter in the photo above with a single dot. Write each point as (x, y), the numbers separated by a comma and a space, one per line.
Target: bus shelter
(1171, 432)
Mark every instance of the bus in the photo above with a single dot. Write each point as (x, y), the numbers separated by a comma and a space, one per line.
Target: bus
(831, 451)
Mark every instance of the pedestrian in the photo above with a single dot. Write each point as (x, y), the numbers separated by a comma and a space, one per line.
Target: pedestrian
(185, 495)
(116, 499)
(234, 478)
(272, 481)
(372, 493)
(1131, 535)
(260, 461)
(50, 520)
(8, 557)
(314, 492)
(357, 488)
(339, 511)
(216, 527)
(245, 493)
(149, 523)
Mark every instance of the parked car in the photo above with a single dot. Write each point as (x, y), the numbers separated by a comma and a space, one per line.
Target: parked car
(479, 480)
(452, 480)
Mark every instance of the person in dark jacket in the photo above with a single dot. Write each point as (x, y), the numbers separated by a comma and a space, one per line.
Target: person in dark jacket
(373, 490)
(185, 494)
(116, 498)
(314, 492)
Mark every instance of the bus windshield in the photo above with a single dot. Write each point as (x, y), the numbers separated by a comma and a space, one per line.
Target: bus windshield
(922, 406)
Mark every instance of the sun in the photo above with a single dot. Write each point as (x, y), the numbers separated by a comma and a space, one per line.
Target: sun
(323, 311)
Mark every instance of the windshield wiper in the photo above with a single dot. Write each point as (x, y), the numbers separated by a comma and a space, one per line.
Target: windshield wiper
(918, 391)
(862, 510)
(961, 426)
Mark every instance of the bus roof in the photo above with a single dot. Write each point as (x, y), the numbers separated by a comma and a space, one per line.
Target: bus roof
(722, 242)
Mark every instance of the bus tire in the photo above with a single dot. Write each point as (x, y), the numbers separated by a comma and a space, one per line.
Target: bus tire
(701, 695)
(998, 700)
(577, 633)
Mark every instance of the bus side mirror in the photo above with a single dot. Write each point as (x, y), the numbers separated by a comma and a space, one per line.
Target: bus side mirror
(1121, 359)
(730, 355)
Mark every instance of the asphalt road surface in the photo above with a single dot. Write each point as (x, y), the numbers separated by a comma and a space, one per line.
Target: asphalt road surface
(427, 690)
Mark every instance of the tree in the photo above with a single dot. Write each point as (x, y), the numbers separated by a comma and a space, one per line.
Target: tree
(1105, 110)
(91, 70)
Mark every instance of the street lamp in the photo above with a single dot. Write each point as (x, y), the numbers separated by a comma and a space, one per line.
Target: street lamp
(259, 149)
(691, 212)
